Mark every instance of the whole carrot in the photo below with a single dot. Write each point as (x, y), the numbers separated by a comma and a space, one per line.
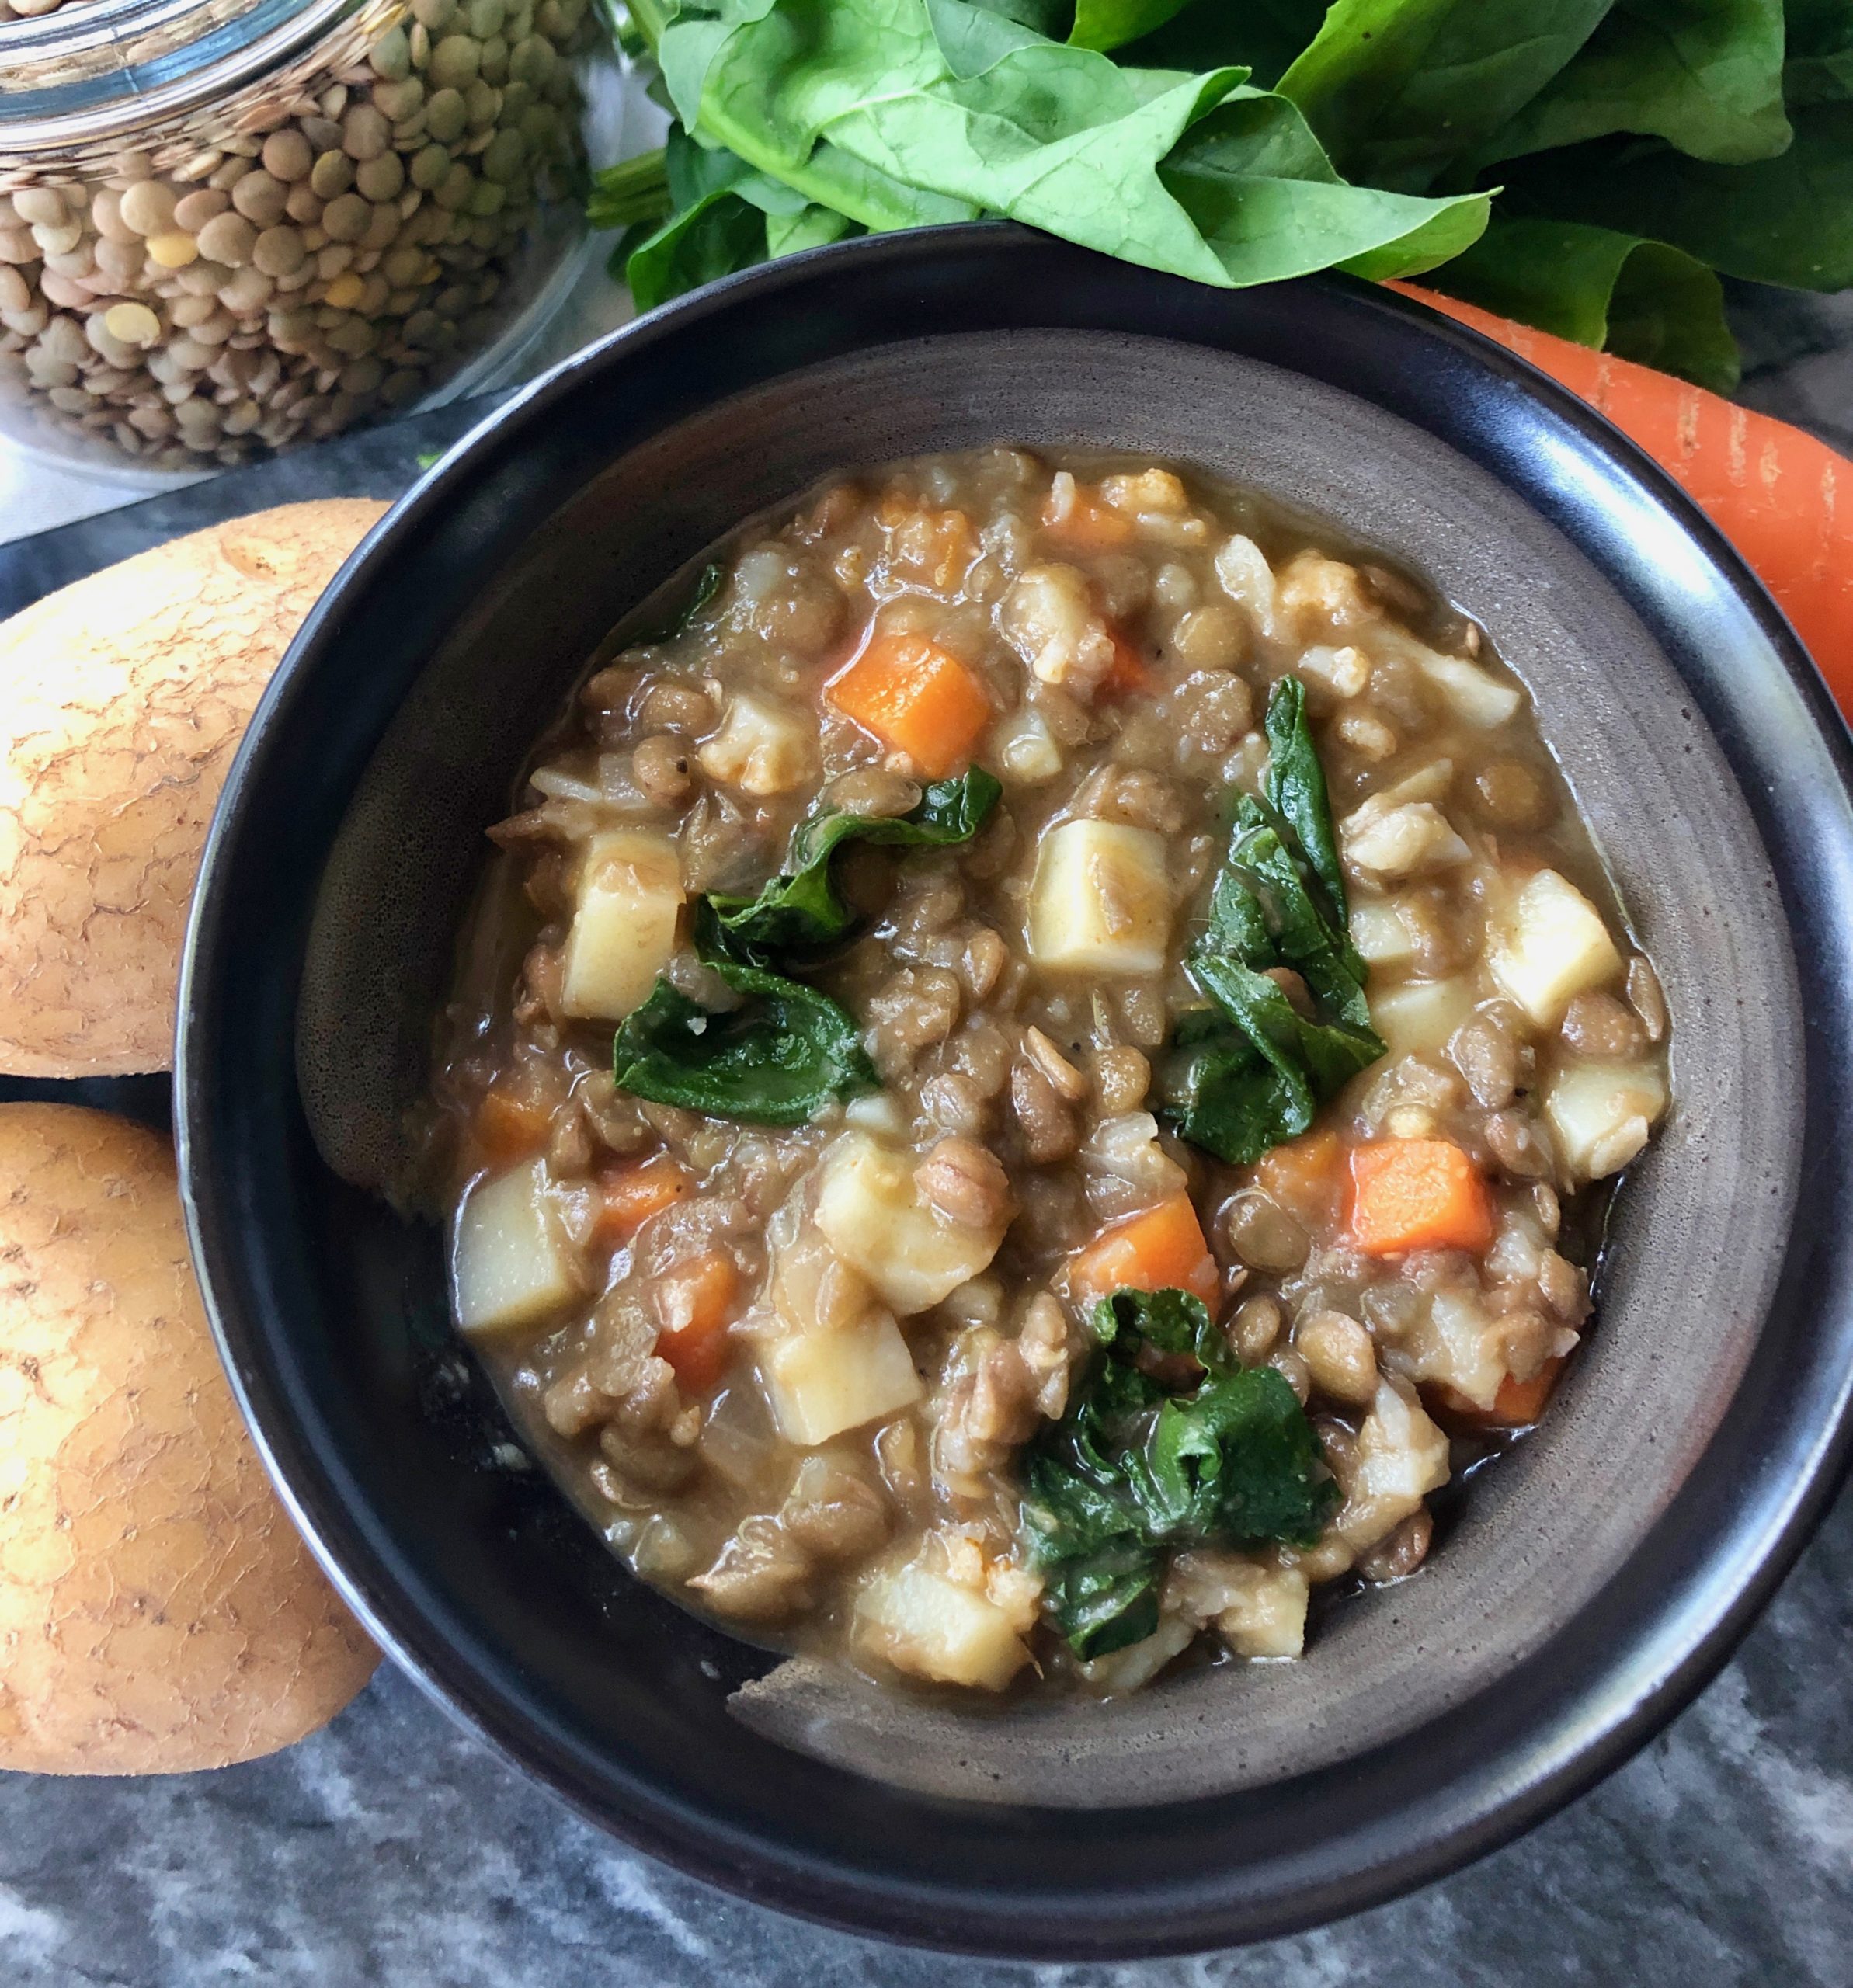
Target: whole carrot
(1784, 499)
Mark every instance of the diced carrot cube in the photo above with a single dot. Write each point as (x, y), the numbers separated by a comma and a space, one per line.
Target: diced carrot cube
(917, 697)
(508, 1128)
(631, 1191)
(1417, 1194)
(1303, 1175)
(1159, 1248)
(695, 1303)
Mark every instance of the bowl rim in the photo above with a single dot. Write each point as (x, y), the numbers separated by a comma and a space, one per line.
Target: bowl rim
(1662, 1655)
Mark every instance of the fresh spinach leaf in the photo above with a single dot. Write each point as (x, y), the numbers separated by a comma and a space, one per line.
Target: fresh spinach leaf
(776, 1059)
(1398, 91)
(1135, 1471)
(722, 233)
(1105, 24)
(724, 218)
(1820, 65)
(802, 908)
(1706, 76)
(1787, 220)
(898, 113)
(1643, 300)
(1264, 35)
(1251, 1071)
(1265, 199)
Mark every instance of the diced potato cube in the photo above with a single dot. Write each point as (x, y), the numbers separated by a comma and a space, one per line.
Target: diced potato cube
(1259, 1607)
(1475, 696)
(761, 747)
(1548, 945)
(872, 1215)
(1344, 670)
(1102, 900)
(1051, 617)
(1420, 1015)
(1024, 750)
(1246, 577)
(1401, 1457)
(1380, 935)
(1458, 1344)
(1267, 1613)
(822, 1382)
(929, 1626)
(1602, 1113)
(1122, 1671)
(1389, 837)
(512, 1261)
(623, 924)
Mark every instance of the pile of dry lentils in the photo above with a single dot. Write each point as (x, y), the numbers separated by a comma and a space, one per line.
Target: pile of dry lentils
(342, 238)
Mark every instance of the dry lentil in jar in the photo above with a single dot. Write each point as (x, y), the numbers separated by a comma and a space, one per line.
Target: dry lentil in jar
(319, 249)
(1035, 1077)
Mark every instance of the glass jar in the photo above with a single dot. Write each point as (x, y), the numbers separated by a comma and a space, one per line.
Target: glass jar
(229, 226)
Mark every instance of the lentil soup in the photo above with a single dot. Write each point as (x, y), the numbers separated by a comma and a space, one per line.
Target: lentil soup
(1035, 1075)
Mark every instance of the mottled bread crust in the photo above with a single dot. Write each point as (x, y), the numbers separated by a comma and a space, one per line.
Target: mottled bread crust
(158, 1612)
(122, 698)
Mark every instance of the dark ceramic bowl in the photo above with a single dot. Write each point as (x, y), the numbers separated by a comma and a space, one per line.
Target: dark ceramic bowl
(1595, 1580)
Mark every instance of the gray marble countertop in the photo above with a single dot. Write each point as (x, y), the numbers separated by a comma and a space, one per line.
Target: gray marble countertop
(392, 1847)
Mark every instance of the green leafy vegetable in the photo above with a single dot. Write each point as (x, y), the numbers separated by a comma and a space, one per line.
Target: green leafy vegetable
(1244, 143)
(1786, 220)
(1296, 790)
(1252, 1071)
(1136, 1470)
(1398, 90)
(1641, 299)
(709, 583)
(776, 1059)
(1820, 64)
(1105, 24)
(1268, 205)
(635, 189)
(898, 113)
(1706, 76)
(802, 908)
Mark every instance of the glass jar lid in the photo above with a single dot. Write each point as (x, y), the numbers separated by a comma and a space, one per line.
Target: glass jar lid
(105, 69)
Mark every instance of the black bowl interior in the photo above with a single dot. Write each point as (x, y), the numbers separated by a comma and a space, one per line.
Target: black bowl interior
(1594, 1584)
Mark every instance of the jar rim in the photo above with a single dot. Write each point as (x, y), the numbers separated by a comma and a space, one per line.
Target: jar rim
(106, 68)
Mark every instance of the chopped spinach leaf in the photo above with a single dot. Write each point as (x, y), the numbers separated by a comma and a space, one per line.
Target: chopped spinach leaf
(709, 583)
(1251, 1070)
(776, 1059)
(1296, 787)
(1135, 1471)
(802, 907)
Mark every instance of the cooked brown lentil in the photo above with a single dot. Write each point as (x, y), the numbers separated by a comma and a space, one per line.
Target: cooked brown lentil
(790, 1370)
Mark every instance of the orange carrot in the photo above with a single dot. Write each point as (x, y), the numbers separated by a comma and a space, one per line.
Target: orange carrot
(1159, 1248)
(1303, 1175)
(695, 1302)
(1779, 496)
(915, 696)
(631, 1191)
(1084, 524)
(1417, 1194)
(508, 1128)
